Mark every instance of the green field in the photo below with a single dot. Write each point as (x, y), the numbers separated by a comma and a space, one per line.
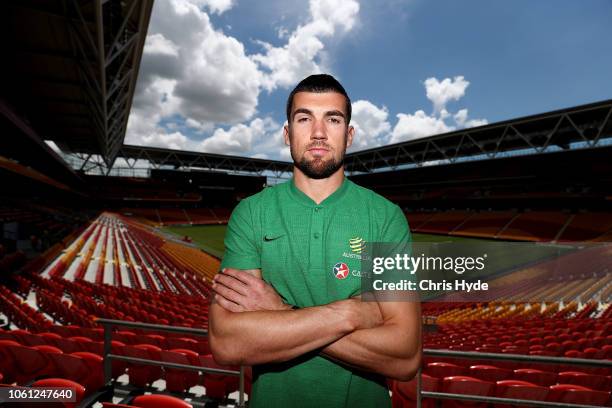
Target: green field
(210, 237)
(207, 237)
(502, 256)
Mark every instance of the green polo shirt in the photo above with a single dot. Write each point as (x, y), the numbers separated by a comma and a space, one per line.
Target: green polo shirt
(309, 253)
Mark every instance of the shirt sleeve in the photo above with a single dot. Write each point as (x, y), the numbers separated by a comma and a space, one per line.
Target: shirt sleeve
(397, 230)
(398, 239)
(240, 244)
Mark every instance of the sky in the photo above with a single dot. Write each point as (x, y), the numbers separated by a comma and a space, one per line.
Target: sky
(215, 74)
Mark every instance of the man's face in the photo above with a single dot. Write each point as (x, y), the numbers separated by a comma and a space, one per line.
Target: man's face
(318, 133)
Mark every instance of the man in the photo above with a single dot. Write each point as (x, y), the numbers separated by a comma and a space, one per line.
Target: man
(287, 300)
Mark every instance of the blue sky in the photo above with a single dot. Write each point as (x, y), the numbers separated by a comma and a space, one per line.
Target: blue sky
(216, 73)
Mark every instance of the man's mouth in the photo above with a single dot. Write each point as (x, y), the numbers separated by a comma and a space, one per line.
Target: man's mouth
(318, 151)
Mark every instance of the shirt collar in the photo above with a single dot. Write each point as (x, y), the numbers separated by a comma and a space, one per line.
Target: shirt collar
(299, 196)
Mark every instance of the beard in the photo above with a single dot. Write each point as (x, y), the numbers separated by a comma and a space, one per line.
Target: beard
(319, 168)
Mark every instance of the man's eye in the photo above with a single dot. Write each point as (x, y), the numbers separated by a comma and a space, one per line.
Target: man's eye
(304, 119)
(334, 120)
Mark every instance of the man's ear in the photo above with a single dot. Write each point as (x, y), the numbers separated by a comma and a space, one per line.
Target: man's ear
(286, 134)
(349, 136)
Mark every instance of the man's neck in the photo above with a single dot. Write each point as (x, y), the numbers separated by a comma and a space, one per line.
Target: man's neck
(318, 189)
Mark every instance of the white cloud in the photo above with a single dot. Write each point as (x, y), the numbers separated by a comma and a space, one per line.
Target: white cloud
(371, 125)
(158, 44)
(202, 76)
(239, 139)
(301, 56)
(442, 92)
(216, 6)
(417, 125)
(196, 80)
(461, 118)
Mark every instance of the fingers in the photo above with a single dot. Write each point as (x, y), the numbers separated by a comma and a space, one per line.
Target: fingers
(227, 305)
(242, 276)
(228, 293)
(231, 283)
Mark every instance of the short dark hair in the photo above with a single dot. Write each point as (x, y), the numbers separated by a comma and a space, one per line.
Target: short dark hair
(319, 83)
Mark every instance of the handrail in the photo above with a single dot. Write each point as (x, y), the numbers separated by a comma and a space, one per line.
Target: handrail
(508, 357)
(108, 356)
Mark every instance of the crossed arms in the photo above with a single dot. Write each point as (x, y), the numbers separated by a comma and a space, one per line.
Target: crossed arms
(250, 324)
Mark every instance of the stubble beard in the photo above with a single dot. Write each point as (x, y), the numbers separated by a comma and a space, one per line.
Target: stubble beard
(319, 168)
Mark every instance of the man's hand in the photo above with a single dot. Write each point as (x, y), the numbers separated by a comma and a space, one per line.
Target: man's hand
(239, 291)
(367, 313)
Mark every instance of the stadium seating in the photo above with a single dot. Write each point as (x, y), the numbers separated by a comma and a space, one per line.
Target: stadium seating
(459, 384)
(520, 390)
(577, 394)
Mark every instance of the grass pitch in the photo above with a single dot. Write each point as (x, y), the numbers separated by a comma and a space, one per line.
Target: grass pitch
(501, 257)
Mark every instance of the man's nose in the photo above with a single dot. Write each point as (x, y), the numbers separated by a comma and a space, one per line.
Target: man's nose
(318, 130)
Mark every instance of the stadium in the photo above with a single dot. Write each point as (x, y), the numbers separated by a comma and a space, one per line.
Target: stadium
(108, 250)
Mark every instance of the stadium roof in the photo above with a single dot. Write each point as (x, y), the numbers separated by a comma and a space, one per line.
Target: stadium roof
(70, 68)
(586, 124)
(182, 159)
(552, 131)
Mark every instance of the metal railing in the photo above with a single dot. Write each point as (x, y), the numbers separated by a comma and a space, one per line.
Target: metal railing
(508, 357)
(108, 356)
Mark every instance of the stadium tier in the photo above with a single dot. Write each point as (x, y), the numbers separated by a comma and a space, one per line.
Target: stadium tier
(542, 226)
(53, 331)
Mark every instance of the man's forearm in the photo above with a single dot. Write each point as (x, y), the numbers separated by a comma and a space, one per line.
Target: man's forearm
(275, 336)
(378, 350)
(392, 349)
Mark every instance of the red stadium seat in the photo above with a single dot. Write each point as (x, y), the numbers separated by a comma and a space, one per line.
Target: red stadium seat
(489, 372)
(79, 369)
(592, 352)
(81, 343)
(597, 382)
(142, 375)
(8, 361)
(159, 401)
(50, 338)
(30, 339)
(404, 392)
(441, 369)
(182, 343)
(62, 382)
(577, 394)
(29, 363)
(118, 367)
(218, 385)
(155, 339)
(50, 370)
(67, 345)
(466, 385)
(125, 336)
(180, 380)
(520, 390)
(95, 364)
